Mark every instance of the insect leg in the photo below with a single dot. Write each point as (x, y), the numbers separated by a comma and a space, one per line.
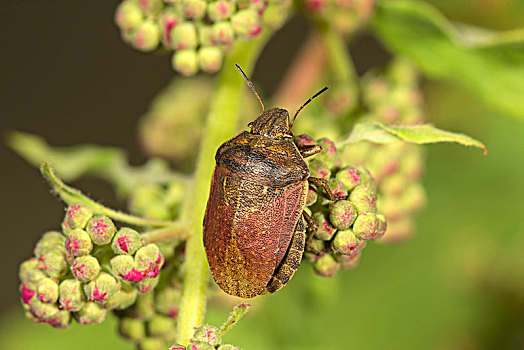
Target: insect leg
(308, 151)
(321, 182)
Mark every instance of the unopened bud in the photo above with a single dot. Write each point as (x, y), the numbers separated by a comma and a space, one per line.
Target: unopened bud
(342, 214)
(101, 229)
(329, 152)
(168, 19)
(144, 307)
(185, 62)
(167, 301)
(85, 268)
(184, 36)
(228, 347)
(43, 311)
(53, 262)
(223, 33)
(326, 266)
(366, 226)
(194, 9)
(210, 58)
(349, 176)
(47, 290)
(348, 262)
(132, 328)
(27, 293)
(149, 260)
(61, 320)
(364, 199)
(177, 346)
(161, 325)
(347, 243)
(207, 334)
(77, 216)
(199, 345)
(382, 226)
(78, 242)
(29, 272)
(319, 169)
(398, 230)
(128, 15)
(71, 295)
(123, 266)
(90, 313)
(146, 285)
(147, 36)
(325, 230)
(122, 299)
(101, 289)
(366, 179)
(151, 343)
(304, 140)
(393, 185)
(246, 23)
(49, 239)
(220, 10)
(206, 37)
(311, 197)
(150, 7)
(337, 188)
(126, 241)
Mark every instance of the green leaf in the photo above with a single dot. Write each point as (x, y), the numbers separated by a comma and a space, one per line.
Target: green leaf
(106, 162)
(491, 64)
(71, 195)
(418, 134)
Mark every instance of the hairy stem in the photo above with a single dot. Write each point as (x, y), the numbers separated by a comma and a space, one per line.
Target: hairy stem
(221, 124)
(177, 230)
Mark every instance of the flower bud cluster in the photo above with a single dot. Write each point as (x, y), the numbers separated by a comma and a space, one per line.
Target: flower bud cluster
(88, 268)
(206, 337)
(346, 16)
(342, 226)
(393, 98)
(150, 323)
(199, 32)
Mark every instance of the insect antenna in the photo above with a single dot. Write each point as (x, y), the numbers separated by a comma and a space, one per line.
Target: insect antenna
(305, 104)
(250, 84)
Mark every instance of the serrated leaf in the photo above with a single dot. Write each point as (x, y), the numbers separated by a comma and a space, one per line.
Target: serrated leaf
(491, 64)
(419, 134)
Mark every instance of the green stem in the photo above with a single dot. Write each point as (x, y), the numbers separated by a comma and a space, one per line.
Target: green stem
(71, 195)
(221, 125)
(177, 230)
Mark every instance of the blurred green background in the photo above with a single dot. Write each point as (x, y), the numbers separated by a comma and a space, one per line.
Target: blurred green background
(457, 284)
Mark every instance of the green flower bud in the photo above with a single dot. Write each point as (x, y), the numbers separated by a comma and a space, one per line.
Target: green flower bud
(101, 229)
(342, 214)
(228, 347)
(184, 36)
(329, 152)
(206, 37)
(123, 298)
(316, 246)
(207, 334)
(90, 313)
(348, 262)
(246, 23)
(43, 311)
(126, 241)
(366, 179)
(223, 33)
(177, 346)
(382, 226)
(349, 176)
(49, 239)
(78, 242)
(210, 58)
(61, 320)
(198, 345)
(366, 226)
(220, 10)
(147, 36)
(311, 197)
(47, 290)
(29, 272)
(304, 140)
(194, 9)
(27, 293)
(185, 62)
(161, 325)
(131, 328)
(326, 266)
(347, 243)
(150, 343)
(325, 230)
(123, 266)
(167, 301)
(319, 169)
(364, 199)
(144, 307)
(128, 15)
(169, 18)
(149, 260)
(71, 295)
(146, 285)
(85, 268)
(102, 288)
(53, 262)
(77, 216)
(151, 7)
(337, 188)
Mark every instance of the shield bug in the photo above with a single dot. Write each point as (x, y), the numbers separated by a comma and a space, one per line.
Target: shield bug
(255, 224)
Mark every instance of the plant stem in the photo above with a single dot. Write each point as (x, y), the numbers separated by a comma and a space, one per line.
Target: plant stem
(221, 124)
(177, 230)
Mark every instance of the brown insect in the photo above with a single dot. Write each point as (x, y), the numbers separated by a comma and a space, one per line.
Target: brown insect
(255, 224)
